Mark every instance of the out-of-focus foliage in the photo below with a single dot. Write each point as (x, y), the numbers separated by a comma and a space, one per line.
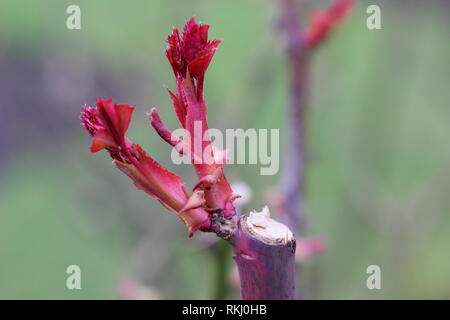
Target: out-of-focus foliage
(378, 128)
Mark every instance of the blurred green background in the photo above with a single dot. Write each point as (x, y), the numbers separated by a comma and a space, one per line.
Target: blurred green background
(378, 134)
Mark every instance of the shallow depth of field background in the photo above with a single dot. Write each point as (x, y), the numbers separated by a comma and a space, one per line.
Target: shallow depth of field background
(378, 134)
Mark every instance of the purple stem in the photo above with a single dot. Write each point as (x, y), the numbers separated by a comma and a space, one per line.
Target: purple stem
(292, 178)
(266, 266)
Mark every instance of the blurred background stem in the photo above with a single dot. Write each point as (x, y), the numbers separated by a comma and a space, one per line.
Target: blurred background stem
(292, 178)
(221, 252)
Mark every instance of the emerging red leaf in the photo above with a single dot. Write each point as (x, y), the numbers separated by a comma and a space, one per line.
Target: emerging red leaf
(325, 20)
(107, 124)
(191, 51)
(189, 55)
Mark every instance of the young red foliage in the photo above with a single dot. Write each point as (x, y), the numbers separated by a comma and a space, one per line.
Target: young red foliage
(189, 55)
(323, 21)
(107, 123)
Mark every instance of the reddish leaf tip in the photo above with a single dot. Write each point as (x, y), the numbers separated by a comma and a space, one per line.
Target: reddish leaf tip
(323, 21)
(191, 50)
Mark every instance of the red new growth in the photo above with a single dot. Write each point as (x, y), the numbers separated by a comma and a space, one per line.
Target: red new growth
(107, 123)
(190, 54)
(323, 21)
(192, 51)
